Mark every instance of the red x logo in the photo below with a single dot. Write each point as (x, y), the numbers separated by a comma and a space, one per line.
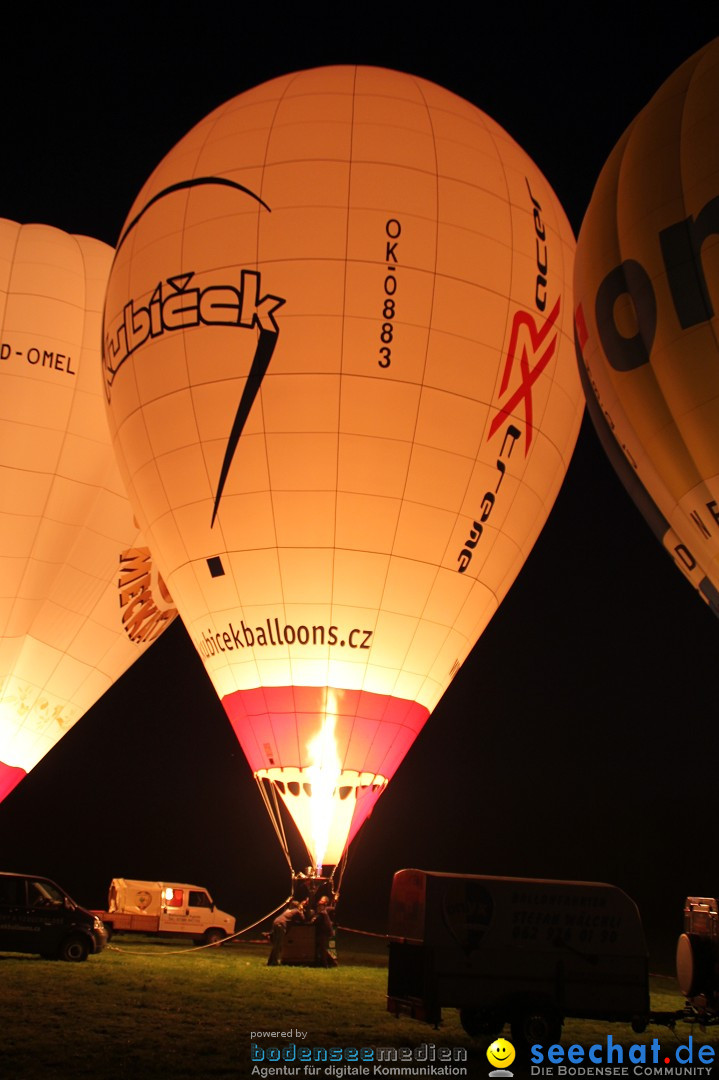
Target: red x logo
(528, 340)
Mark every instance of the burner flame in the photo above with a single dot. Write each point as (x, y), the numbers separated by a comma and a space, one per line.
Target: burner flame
(323, 772)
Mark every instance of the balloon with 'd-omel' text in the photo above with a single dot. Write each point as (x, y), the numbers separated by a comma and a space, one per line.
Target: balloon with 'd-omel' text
(77, 585)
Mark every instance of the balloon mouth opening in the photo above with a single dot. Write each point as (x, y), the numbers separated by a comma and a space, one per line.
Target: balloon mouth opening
(327, 817)
(298, 783)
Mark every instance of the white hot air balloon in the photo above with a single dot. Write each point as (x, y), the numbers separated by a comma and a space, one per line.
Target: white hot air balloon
(77, 600)
(339, 365)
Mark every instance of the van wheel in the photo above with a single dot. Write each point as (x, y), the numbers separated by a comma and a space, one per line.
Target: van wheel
(477, 1023)
(536, 1022)
(214, 936)
(74, 949)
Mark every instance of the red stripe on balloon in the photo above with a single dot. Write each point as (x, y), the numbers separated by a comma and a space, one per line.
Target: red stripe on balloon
(10, 777)
(275, 725)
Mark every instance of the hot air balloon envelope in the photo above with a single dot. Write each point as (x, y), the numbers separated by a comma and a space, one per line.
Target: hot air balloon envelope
(341, 383)
(76, 604)
(646, 289)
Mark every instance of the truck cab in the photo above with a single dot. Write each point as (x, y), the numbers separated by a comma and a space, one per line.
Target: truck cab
(162, 907)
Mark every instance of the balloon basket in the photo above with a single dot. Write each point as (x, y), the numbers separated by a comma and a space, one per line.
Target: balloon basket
(310, 941)
(303, 948)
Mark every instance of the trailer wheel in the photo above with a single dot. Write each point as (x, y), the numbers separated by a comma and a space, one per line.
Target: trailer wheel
(74, 948)
(640, 1023)
(214, 936)
(477, 1023)
(536, 1022)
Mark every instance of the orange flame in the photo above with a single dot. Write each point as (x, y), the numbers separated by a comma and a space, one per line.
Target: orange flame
(323, 772)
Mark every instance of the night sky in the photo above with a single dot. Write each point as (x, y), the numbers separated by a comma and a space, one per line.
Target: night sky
(580, 739)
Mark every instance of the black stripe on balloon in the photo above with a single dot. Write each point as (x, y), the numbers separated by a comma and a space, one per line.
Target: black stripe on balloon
(197, 181)
(263, 354)
(629, 478)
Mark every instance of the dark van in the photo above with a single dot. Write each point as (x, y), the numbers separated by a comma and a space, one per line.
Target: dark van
(37, 916)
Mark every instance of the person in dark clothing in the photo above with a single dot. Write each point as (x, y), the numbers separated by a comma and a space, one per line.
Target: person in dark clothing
(291, 914)
(324, 930)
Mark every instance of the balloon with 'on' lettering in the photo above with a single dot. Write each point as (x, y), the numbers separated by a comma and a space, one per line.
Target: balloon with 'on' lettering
(646, 290)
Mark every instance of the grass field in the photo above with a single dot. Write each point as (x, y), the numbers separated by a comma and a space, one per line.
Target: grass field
(145, 1009)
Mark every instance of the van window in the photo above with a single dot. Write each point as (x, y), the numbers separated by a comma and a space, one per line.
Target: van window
(44, 894)
(199, 899)
(173, 897)
(12, 892)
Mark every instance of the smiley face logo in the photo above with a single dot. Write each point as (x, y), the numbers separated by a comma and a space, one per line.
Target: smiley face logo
(501, 1053)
